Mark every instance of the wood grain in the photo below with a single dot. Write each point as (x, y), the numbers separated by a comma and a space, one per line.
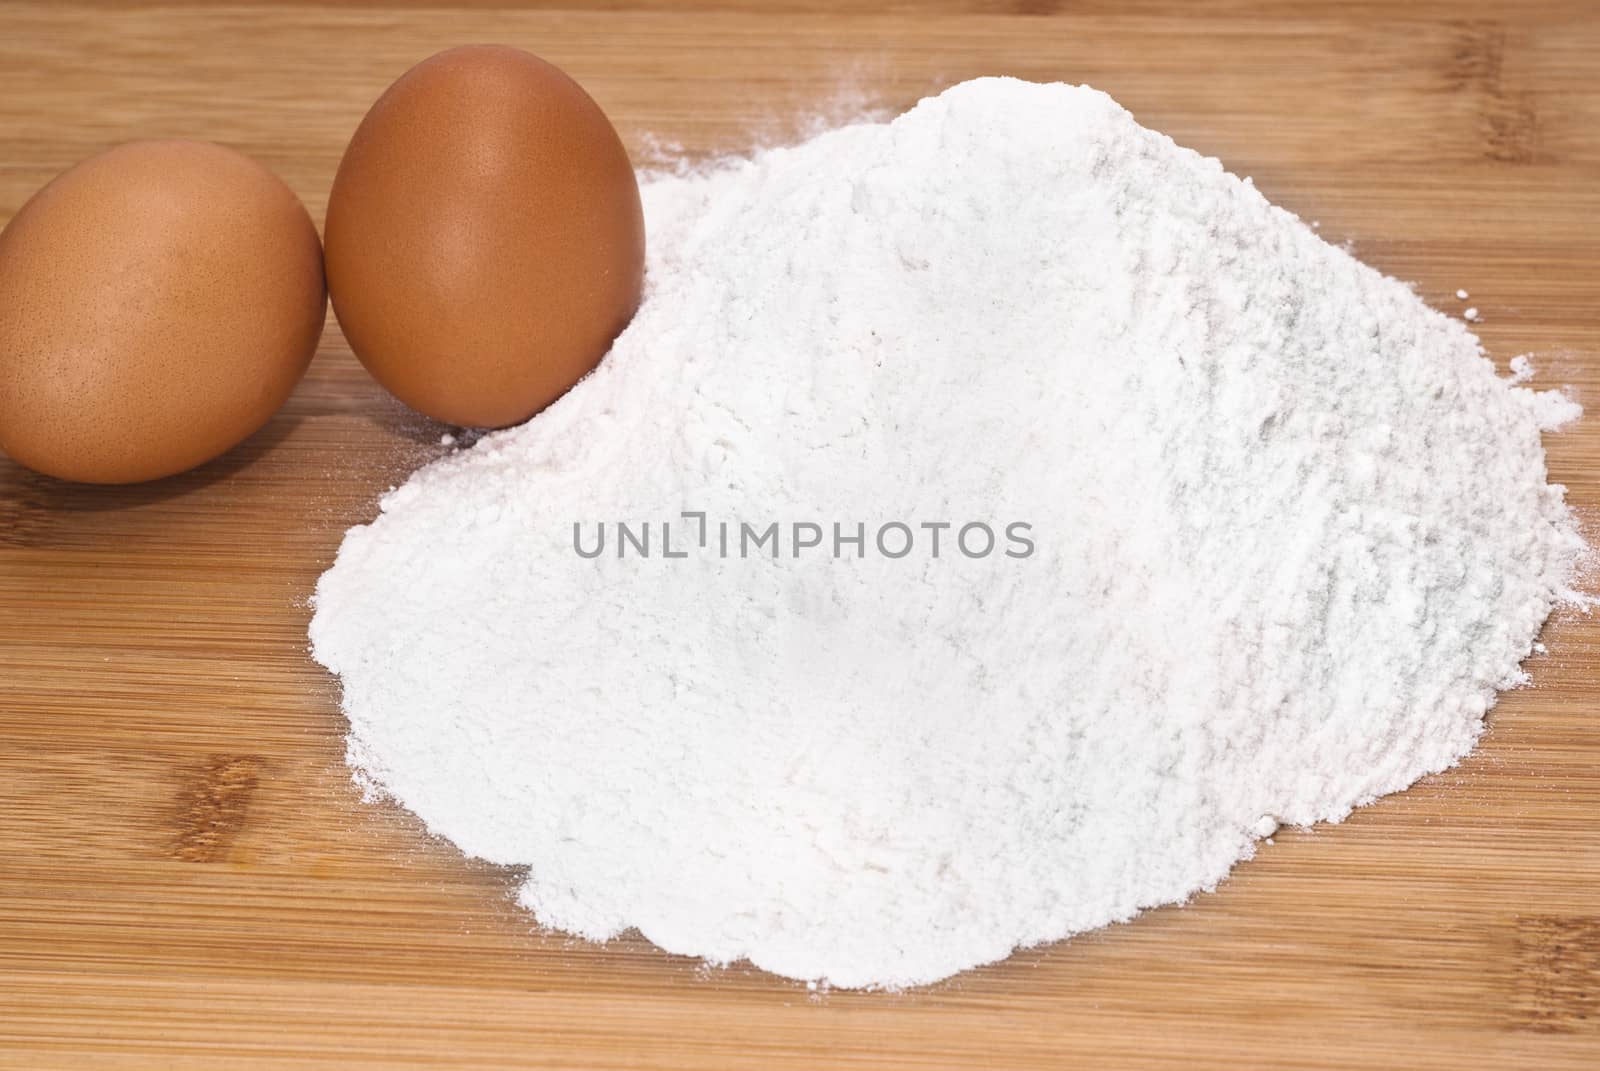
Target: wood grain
(190, 880)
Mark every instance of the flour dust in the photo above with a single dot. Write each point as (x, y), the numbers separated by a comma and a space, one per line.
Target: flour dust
(1288, 531)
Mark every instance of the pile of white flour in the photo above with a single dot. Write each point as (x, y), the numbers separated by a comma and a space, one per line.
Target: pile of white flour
(1289, 533)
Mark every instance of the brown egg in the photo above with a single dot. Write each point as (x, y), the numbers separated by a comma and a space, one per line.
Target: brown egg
(158, 302)
(485, 241)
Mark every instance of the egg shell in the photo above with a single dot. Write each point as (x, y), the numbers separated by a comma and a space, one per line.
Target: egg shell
(485, 240)
(158, 303)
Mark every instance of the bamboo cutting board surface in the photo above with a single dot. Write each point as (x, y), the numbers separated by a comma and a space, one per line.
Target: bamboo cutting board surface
(188, 878)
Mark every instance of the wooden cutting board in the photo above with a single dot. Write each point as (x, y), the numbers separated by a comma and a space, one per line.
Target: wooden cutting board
(188, 878)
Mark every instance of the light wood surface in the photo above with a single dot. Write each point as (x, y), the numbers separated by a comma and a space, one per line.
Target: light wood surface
(188, 879)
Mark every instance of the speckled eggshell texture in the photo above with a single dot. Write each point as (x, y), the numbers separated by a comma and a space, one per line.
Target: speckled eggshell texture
(158, 303)
(485, 241)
